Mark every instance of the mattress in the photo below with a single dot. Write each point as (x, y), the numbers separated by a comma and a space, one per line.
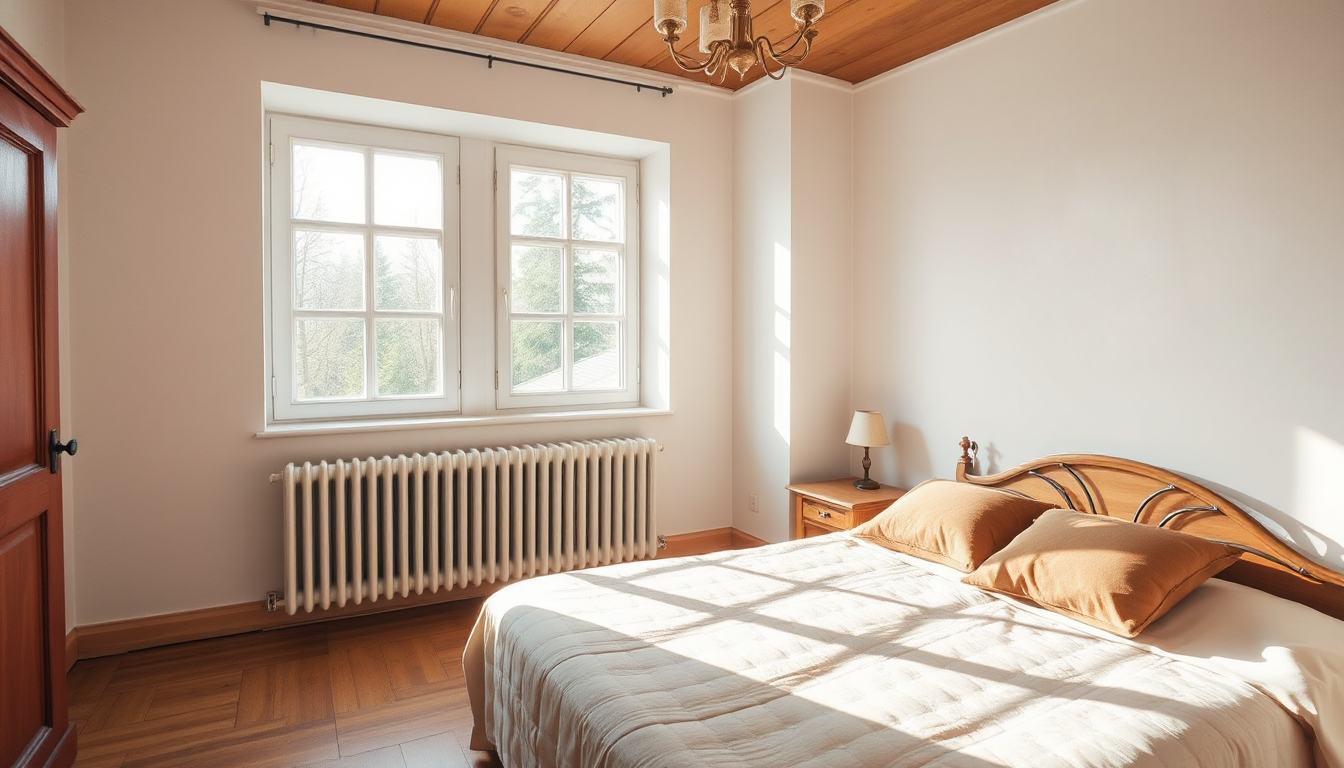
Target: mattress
(834, 652)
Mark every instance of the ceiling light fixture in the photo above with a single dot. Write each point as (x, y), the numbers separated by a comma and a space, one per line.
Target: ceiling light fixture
(725, 34)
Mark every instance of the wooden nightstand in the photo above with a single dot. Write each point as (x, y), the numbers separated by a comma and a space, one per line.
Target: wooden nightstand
(836, 505)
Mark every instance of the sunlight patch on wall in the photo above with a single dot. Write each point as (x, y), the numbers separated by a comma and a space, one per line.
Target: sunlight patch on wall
(783, 319)
(1318, 494)
(664, 288)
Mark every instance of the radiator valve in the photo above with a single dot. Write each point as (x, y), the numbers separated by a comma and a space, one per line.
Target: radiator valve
(662, 542)
(272, 601)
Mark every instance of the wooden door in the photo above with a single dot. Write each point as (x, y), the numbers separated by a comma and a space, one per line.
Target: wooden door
(34, 722)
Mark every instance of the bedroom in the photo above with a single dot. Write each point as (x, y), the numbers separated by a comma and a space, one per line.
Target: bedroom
(1107, 227)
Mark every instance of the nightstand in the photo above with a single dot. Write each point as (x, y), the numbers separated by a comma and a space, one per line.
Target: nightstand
(836, 505)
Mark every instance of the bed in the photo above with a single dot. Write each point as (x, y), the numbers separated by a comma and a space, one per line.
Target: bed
(834, 651)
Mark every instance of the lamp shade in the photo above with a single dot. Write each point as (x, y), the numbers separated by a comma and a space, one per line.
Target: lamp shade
(806, 10)
(669, 12)
(867, 429)
(716, 23)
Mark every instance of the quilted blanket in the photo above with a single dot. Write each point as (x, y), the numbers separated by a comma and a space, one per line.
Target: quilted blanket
(833, 653)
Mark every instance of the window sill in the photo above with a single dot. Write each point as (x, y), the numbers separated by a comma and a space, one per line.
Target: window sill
(397, 425)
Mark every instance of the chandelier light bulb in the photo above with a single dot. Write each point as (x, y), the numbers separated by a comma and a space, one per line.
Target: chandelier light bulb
(669, 16)
(805, 11)
(716, 21)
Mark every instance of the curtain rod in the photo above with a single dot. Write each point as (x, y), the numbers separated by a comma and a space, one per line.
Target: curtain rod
(490, 59)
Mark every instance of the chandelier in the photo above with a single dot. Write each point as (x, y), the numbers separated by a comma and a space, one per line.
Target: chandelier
(725, 35)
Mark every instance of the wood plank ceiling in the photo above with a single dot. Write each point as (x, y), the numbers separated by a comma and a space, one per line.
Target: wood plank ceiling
(858, 39)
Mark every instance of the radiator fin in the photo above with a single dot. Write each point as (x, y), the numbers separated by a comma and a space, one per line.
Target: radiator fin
(374, 529)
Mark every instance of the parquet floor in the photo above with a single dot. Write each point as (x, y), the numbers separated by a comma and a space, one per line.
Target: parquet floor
(382, 691)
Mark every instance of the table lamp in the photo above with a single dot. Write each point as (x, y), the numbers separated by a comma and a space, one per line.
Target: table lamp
(869, 431)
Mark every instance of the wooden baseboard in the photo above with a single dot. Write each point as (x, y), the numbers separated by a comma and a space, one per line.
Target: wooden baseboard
(115, 637)
(744, 540)
(697, 543)
(71, 648)
(704, 542)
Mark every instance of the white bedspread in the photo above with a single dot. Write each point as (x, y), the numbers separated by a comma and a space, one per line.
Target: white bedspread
(831, 652)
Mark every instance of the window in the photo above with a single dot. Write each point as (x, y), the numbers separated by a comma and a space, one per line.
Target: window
(418, 276)
(363, 269)
(568, 270)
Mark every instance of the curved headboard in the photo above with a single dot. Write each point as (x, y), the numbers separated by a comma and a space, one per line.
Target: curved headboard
(1130, 490)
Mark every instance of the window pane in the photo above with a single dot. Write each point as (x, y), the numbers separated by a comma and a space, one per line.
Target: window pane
(407, 191)
(536, 278)
(536, 356)
(328, 358)
(597, 209)
(537, 209)
(408, 356)
(406, 273)
(328, 184)
(596, 277)
(328, 270)
(597, 361)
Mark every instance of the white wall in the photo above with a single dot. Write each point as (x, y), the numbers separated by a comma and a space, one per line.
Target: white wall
(1111, 226)
(824, 333)
(792, 202)
(175, 509)
(38, 26)
(1115, 226)
(762, 294)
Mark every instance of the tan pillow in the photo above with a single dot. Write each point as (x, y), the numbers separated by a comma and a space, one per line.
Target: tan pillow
(1112, 574)
(956, 524)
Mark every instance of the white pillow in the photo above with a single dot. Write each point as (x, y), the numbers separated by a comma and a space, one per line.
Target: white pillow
(1291, 652)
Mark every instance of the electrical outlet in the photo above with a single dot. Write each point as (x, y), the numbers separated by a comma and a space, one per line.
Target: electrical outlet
(753, 503)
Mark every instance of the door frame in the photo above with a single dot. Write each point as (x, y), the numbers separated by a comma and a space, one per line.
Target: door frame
(49, 107)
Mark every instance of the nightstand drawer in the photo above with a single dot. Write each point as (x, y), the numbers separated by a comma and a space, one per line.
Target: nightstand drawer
(827, 516)
(810, 530)
(835, 505)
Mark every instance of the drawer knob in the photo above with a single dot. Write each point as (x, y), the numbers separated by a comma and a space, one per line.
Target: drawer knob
(823, 513)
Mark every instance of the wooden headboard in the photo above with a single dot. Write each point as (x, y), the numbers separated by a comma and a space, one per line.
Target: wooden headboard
(1130, 490)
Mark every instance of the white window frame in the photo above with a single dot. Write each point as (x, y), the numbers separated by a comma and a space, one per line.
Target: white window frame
(627, 394)
(284, 405)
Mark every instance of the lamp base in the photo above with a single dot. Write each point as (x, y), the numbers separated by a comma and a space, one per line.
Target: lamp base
(866, 483)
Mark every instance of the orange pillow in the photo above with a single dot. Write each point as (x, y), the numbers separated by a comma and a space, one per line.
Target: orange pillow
(1113, 574)
(955, 524)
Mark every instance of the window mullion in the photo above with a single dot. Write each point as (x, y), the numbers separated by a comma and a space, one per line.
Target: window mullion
(567, 284)
(370, 350)
(401, 231)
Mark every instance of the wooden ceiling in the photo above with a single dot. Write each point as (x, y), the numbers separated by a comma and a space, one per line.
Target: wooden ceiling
(858, 39)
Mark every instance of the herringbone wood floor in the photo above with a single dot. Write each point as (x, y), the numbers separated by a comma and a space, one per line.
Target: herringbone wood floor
(383, 691)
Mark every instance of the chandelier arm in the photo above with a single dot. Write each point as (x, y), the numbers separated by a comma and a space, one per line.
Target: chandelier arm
(764, 56)
(686, 63)
(782, 58)
(718, 57)
(798, 38)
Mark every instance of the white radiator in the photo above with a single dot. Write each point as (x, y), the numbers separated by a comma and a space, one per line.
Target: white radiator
(364, 529)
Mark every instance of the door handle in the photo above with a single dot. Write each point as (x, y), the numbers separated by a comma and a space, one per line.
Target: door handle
(55, 448)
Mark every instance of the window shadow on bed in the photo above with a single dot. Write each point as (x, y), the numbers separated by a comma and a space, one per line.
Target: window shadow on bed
(622, 701)
(604, 698)
(881, 645)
